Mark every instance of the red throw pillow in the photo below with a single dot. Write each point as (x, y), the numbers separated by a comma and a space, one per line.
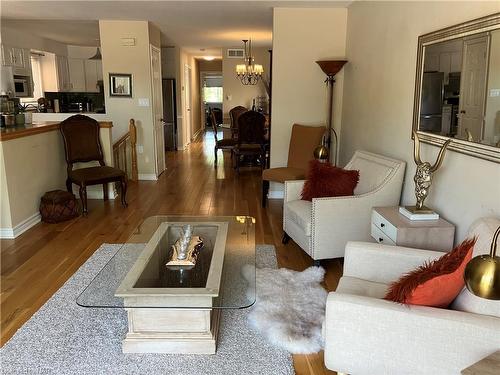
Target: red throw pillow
(325, 180)
(435, 283)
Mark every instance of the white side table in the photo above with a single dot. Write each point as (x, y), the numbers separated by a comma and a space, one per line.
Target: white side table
(390, 227)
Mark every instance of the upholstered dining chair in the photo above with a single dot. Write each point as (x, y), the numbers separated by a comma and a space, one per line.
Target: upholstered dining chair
(82, 145)
(220, 144)
(251, 138)
(218, 115)
(234, 115)
(303, 141)
(323, 227)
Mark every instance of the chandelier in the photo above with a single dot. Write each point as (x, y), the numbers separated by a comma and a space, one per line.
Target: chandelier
(249, 73)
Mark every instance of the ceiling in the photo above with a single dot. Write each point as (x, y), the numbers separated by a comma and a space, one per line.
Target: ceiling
(193, 25)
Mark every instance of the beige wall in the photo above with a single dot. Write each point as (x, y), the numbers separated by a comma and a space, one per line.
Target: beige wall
(300, 38)
(235, 93)
(133, 60)
(210, 66)
(492, 115)
(378, 103)
(31, 166)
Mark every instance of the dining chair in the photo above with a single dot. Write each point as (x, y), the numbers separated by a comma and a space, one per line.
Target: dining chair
(220, 144)
(234, 114)
(303, 141)
(218, 115)
(251, 138)
(82, 145)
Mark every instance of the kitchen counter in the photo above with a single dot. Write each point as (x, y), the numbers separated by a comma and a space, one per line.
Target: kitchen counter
(36, 127)
(32, 162)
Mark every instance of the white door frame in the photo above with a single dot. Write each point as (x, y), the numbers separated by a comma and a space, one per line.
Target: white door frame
(153, 49)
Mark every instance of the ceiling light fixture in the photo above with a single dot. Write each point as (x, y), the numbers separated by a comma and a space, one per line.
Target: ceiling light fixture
(208, 58)
(249, 73)
(97, 55)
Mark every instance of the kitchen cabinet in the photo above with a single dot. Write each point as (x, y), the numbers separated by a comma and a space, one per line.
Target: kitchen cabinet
(93, 73)
(77, 75)
(18, 58)
(446, 62)
(62, 69)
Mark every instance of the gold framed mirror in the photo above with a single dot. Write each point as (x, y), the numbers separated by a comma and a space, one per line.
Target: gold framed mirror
(457, 88)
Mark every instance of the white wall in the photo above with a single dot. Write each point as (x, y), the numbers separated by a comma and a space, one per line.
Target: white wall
(235, 93)
(25, 39)
(300, 38)
(133, 60)
(378, 103)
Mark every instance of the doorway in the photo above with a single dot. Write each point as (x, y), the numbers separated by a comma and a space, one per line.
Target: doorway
(211, 96)
(472, 88)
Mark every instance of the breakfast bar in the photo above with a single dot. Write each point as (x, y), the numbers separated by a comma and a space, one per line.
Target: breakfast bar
(32, 162)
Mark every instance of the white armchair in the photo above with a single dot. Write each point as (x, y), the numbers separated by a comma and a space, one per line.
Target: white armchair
(323, 227)
(365, 334)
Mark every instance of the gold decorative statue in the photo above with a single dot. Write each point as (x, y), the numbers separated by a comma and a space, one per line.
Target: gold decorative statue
(423, 175)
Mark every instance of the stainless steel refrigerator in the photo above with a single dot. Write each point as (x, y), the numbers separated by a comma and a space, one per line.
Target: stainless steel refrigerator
(169, 113)
(431, 105)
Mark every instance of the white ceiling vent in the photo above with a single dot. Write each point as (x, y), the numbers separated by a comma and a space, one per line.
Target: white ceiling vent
(235, 53)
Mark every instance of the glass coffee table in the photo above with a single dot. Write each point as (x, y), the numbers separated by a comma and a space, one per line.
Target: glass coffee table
(171, 308)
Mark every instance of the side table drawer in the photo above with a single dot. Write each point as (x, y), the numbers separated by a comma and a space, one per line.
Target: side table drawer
(380, 236)
(384, 226)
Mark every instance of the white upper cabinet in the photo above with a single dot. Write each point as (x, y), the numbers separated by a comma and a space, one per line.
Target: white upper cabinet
(77, 74)
(18, 59)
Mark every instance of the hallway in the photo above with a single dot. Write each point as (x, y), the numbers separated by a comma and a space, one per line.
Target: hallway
(37, 263)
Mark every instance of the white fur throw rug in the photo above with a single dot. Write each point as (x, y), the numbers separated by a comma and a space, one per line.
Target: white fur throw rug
(290, 308)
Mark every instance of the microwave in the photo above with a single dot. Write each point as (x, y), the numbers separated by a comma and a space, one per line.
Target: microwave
(22, 87)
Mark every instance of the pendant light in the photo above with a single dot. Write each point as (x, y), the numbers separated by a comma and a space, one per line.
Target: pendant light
(97, 55)
(249, 73)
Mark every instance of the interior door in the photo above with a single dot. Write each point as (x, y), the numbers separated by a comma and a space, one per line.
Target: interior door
(187, 97)
(158, 131)
(472, 87)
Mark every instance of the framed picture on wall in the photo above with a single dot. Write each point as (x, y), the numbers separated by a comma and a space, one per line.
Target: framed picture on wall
(120, 85)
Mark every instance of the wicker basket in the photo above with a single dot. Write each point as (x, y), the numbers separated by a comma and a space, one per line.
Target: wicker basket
(57, 206)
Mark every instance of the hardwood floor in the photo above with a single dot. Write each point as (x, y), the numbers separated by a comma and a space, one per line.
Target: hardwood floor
(37, 263)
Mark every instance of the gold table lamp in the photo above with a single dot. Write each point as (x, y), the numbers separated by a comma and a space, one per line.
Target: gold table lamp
(482, 274)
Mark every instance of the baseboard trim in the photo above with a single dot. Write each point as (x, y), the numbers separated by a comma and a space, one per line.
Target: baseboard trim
(11, 233)
(276, 194)
(147, 177)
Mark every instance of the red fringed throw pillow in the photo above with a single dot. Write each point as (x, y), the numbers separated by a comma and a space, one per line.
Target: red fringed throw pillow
(435, 283)
(325, 180)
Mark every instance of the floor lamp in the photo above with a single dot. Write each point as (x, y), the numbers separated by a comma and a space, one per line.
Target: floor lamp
(330, 67)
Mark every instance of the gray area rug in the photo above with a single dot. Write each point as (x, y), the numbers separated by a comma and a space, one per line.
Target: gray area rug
(64, 338)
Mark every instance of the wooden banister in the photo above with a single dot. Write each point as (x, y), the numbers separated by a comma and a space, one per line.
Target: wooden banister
(120, 152)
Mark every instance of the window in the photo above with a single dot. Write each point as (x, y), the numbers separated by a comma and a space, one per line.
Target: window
(37, 81)
(212, 94)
